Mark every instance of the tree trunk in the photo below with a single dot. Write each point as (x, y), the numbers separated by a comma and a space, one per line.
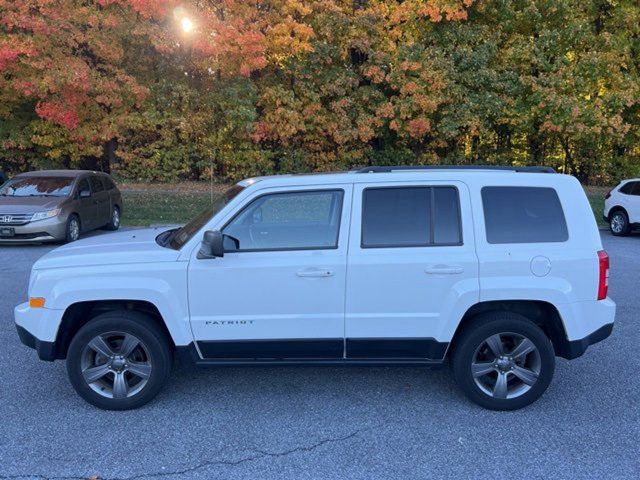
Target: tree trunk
(109, 155)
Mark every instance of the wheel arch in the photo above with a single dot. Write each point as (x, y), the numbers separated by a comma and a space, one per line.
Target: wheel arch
(79, 314)
(544, 314)
(617, 208)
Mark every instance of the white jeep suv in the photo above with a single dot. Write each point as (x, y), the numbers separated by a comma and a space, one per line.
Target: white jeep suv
(622, 207)
(497, 271)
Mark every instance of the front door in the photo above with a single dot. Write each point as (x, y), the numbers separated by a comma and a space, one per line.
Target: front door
(278, 292)
(102, 200)
(412, 265)
(87, 208)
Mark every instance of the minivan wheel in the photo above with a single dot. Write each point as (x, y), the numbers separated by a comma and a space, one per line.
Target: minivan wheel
(619, 223)
(72, 232)
(503, 361)
(119, 360)
(114, 222)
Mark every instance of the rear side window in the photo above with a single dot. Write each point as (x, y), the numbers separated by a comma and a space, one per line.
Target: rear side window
(410, 217)
(108, 183)
(631, 188)
(96, 184)
(523, 215)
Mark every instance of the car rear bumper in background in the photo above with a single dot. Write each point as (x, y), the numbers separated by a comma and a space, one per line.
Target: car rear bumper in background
(49, 230)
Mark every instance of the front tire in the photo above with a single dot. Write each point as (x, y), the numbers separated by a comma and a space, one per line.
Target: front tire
(119, 360)
(72, 232)
(619, 223)
(503, 361)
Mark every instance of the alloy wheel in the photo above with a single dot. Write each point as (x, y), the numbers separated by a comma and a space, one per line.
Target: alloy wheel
(74, 229)
(618, 223)
(116, 365)
(506, 365)
(115, 218)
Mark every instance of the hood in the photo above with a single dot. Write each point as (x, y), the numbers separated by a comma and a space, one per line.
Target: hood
(125, 247)
(11, 204)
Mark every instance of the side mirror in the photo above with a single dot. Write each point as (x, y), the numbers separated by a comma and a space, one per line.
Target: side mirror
(85, 193)
(212, 245)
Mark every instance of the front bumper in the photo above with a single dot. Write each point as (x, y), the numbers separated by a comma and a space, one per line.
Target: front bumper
(38, 329)
(49, 230)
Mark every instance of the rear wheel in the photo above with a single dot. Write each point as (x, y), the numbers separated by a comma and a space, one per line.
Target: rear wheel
(503, 361)
(72, 232)
(114, 222)
(619, 223)
(119, 360)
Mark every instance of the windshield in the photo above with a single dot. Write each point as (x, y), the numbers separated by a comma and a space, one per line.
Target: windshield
(38, 187)
(184, 234)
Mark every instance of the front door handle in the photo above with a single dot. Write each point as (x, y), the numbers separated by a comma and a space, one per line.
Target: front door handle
(315, 272)
(444, 270)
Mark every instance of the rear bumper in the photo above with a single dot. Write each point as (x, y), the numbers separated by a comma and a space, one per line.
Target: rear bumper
(576, 348)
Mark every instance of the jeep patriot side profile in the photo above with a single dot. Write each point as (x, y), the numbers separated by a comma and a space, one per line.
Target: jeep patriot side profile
(497, 271)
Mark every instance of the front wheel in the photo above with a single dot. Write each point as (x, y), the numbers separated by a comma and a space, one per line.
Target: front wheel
(503, 362)
(72, 232)
(119, 360)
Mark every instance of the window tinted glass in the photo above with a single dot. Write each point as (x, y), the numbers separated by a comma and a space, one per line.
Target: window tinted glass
(631, 188)
(108, 183)
(295, 220)
(96, 184)
(523, 215)
(37, 187)
(396, 217)
(83, 185)
(446, 216)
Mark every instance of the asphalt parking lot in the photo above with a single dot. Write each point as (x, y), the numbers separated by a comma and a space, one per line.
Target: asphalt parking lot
(325, 422)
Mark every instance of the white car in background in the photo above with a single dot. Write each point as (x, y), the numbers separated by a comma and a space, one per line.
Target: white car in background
(622, 207)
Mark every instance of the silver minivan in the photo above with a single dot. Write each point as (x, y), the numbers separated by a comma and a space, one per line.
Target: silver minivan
(57, 205)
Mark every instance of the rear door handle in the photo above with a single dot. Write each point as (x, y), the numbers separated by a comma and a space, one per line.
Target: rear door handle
(315, 272)
(444, 270)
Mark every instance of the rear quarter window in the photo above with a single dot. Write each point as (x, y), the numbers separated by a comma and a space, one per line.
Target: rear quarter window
(523, 215)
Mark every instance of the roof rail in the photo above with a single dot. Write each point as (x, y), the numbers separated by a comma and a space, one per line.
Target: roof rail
(392, 168)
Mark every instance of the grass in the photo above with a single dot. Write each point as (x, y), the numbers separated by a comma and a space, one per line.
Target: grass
(155, 207)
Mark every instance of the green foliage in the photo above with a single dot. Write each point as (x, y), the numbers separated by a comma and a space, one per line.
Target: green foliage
(293, 86)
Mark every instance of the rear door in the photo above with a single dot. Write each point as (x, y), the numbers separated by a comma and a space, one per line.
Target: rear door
(412, 267)
(634, 203)
(102, 201)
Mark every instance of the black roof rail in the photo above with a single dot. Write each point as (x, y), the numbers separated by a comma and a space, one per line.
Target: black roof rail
(392, 168)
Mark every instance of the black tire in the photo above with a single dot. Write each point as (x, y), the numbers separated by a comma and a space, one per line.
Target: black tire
(510, 325)
(619, 223)
(71, 234)
(153, 345)
(114, 222)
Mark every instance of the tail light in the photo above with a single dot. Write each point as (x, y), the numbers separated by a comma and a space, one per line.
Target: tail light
(603, 280)
(608, 194)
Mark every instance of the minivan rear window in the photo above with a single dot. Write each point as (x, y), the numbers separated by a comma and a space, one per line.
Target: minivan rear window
(523, 215)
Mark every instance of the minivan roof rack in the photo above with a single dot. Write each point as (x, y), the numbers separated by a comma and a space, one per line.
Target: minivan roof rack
(392, 168)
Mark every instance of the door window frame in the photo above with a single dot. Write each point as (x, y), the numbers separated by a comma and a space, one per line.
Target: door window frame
(339, 217)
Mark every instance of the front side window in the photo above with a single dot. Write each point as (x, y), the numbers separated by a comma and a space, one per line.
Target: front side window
(38, 187)
(410, 217)
(288, 221)
(523, 215)
(83, 186)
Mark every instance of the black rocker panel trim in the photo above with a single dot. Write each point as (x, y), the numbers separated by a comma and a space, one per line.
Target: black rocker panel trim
(273, 349)
(424, 348)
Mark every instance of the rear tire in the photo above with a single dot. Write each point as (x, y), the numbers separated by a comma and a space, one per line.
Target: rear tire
(120, 360)
(114, 223)
(619, 223)
(503, 361)
(72, 232)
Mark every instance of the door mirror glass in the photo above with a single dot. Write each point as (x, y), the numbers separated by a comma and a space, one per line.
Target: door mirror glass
(85, 193)
(212, 245)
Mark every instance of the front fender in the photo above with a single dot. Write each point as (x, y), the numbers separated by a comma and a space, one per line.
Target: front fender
(161, 284)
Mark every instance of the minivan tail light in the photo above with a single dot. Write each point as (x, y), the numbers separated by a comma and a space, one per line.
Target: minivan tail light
(608, 194)
(603, 280)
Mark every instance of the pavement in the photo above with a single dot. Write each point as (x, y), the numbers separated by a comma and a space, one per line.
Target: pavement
(325, 422)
